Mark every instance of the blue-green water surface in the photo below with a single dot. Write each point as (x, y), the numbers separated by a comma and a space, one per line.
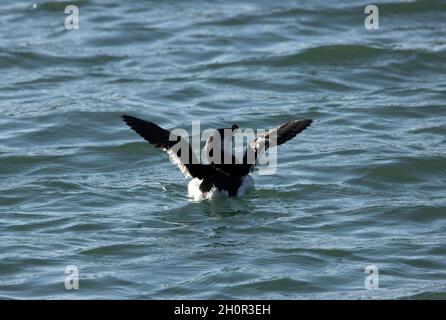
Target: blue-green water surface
(364, 185)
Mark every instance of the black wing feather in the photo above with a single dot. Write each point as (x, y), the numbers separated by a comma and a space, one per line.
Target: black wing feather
(283, 133)
(162, 138)
(290, 129)
(151, 132)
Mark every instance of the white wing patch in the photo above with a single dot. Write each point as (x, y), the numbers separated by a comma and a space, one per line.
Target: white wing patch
(177, 161)
(259, 144)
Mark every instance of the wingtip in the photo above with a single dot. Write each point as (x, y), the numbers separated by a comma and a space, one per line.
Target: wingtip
(128, 119)
(302, 120)
(301, 125)
(306, 122)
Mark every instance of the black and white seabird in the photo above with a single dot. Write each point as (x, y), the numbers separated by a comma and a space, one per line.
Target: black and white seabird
(213, 179)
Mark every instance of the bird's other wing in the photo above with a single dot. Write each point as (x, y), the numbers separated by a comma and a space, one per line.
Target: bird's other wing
(172, 144)
(271, 138)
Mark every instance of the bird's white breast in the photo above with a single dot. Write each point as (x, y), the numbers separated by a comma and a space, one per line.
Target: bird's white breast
(195, 193)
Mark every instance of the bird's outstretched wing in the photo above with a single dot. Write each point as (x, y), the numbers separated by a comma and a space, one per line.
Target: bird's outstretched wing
(173, 145)
(271, 138)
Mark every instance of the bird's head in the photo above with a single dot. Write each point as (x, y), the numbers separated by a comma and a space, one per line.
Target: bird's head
(221, 140)
(222, 134)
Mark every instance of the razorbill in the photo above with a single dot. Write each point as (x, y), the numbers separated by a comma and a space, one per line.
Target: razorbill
(216, 177)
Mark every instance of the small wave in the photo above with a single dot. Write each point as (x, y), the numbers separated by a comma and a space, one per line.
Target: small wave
(37, 60)
(59, 6)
